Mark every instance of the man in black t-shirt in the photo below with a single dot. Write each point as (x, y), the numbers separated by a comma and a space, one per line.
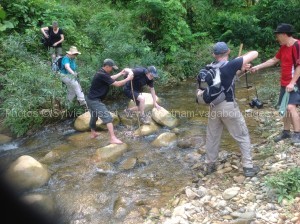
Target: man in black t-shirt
(56, 37)
(98, 91)
(133, 90)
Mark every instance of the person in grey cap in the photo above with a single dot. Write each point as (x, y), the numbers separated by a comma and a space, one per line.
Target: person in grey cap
(288, 56)
(227, 113)
(97, 93)
(133, 89)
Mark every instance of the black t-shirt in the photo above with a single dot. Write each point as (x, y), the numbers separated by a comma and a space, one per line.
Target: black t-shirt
(54, 37)
(228, 73)
(139, 80)
(100, 85)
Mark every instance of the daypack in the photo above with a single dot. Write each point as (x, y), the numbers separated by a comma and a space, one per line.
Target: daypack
(56, 65)
(209, 87)
(45, 41)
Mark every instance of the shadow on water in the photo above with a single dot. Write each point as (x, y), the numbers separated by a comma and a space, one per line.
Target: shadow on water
(82, 194)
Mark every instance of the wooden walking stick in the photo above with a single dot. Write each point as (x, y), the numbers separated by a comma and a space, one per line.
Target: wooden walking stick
(138, 118)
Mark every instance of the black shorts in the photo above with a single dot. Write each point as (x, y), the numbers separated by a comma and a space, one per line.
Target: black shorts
(128, 93)
(294, 98)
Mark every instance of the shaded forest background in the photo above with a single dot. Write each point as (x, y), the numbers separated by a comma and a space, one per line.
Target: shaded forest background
(174, 35)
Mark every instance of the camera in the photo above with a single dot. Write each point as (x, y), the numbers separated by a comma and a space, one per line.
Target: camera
(256, 103)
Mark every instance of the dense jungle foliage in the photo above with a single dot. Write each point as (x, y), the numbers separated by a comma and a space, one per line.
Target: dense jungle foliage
(174, 35)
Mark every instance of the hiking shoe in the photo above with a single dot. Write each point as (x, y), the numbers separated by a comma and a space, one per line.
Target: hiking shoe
(251, 172)
(128, 113)
(82, 102)
(296, 138)
(284, 135)
(209, 168)
(145, 119)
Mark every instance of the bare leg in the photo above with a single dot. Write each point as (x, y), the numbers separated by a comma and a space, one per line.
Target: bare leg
(141, 99)
(295, 119)
(113, 138)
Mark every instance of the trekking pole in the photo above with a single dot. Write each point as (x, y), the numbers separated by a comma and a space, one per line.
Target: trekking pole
(138, 118)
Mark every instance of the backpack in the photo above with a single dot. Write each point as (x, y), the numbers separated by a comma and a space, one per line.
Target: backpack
(209, 87)
(45, 41)
(56, 65)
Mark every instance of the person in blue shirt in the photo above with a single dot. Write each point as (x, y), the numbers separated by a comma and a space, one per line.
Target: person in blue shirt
(68, 75)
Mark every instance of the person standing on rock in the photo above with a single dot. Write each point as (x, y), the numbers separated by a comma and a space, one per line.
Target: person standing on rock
(133, 90)
(227, 113)
(97, 93)
(289, 57)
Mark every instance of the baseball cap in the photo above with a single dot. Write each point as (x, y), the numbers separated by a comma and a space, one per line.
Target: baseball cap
(151, 69)
(110, 63)
(284, 28)
(220, 48)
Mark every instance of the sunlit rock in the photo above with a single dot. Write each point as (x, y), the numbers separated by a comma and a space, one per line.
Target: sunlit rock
(165, 139)
(164, 117)
(82, 122)
(110, 153)
(148, 102)
(27, 173)
(147, 129)
(84, 140)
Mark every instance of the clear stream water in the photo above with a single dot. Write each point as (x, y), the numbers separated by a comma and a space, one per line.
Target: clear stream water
(82, 195)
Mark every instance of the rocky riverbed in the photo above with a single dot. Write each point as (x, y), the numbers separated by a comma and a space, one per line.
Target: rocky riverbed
(226, 196)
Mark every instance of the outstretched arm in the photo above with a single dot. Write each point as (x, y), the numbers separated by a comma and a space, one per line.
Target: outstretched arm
(155, 104)
(265, 64)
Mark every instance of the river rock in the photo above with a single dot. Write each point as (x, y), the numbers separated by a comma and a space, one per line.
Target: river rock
(148, 102)
(40, 202)
(164, 117)
(84, 140)
(164, 140)
(56, 153)
(230, 193)
(26, 173)
(128, 164)
(4, 139)
(147, 129)
(110, 153)
(82, 122)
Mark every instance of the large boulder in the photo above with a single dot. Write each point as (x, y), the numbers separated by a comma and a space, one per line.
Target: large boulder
(110, 153)
(164, 117)
(148, 102)
(165, 139)
(82, 122)
(26, 173)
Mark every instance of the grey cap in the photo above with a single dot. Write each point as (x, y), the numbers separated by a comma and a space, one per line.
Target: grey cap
(110, 63)
(220, 48)
(151, 69)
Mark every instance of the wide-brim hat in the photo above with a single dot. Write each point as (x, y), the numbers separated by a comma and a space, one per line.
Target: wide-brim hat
(73, 50)
(284, 28)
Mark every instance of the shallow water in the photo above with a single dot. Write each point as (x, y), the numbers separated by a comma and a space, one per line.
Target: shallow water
(82, 194)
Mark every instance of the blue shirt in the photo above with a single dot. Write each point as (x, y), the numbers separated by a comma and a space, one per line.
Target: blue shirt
(67, 60)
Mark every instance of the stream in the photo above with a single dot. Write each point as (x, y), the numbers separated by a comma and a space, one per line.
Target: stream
(82, 194)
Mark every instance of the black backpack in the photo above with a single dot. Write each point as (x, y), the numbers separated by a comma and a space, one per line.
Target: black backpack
(209, 87)
(45, 41)
(57, 64)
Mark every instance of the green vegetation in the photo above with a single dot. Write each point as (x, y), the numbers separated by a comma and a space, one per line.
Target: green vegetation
(174, 35)
(285, 184)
